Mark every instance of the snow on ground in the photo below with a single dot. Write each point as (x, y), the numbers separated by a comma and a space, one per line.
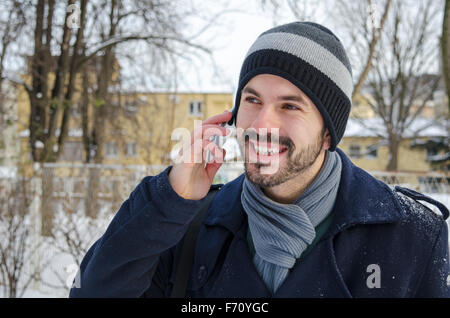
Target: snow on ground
(57, 266)
(444, 198)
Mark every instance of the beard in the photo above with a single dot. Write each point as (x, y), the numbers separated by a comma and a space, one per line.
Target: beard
(297, 162)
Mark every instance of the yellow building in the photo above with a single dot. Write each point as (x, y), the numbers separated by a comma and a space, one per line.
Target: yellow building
(371, 152)
(138, 126)
(361, 108)
(146, 131)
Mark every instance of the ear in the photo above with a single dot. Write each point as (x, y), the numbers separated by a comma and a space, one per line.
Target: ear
(326, 140)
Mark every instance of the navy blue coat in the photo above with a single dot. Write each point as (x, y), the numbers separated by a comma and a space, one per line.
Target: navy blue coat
(379, 244)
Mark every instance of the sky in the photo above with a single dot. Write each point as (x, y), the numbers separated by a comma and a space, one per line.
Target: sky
(231, 39)
(235, 32)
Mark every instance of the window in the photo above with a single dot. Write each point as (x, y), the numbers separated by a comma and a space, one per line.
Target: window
(76, 113)
(130, 109)
(111, 150)
(131, 149)
(431, 151)
(355, 151)
(195, 108)
(72, 151)
(372, 152)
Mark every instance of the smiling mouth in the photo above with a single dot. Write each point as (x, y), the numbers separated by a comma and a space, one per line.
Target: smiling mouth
(268, 150)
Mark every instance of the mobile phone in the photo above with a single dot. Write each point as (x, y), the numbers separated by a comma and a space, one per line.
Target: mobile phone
(219, 141)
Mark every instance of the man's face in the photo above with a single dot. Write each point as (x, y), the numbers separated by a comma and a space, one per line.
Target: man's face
(268, 104)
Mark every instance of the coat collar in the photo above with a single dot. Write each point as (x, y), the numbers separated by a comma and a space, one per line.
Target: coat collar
(361, 199)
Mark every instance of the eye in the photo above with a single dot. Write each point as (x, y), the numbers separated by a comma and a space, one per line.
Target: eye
(251, 99)
(291, 107)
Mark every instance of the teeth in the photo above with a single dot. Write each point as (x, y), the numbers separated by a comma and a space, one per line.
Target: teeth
(265, 151)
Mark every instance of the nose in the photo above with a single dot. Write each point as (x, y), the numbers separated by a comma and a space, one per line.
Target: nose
(267, 118)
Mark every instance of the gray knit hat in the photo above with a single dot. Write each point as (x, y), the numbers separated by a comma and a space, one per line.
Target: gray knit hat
(312, 58)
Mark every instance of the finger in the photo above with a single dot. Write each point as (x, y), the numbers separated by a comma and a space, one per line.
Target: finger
(198, 152)
(206, 131)
(194, 151)
(218, 119)
(218, 156)
(213, 167)
(213, 148)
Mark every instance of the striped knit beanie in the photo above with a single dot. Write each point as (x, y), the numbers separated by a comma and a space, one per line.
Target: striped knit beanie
(311, 57)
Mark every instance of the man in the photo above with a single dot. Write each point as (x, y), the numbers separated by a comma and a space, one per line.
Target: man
(315, 226)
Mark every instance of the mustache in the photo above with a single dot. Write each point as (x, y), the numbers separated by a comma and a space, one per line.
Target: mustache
(282, 140)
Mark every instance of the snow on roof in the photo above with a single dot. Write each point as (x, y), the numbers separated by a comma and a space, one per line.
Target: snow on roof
(439, 158)
(424, 127)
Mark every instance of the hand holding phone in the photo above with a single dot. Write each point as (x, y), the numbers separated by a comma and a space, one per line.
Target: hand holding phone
(191, 178)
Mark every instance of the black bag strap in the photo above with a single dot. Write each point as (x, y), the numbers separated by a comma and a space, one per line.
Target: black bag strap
(419, 196)
(186, 260)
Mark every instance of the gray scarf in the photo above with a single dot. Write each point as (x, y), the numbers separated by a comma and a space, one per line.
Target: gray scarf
(281, 232)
